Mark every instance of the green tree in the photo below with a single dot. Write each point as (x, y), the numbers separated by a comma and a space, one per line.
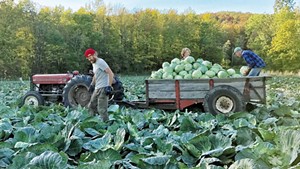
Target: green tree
(285, 51)
(52, 40)
(74, 43)
(210, 40)
(109, 39)
(15, 38)
(172, 42)
(284, 4)
(259, 33)
(147, 39)
(122, 57)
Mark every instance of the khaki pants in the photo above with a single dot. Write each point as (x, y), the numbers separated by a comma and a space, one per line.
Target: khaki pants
(99, 103)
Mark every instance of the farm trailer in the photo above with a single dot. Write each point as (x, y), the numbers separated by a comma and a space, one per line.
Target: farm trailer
(216, 95)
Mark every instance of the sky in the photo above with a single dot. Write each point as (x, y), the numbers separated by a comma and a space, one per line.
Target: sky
(199, 6)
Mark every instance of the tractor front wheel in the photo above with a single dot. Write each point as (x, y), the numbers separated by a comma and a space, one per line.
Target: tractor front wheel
(33, 98)
(76, 91)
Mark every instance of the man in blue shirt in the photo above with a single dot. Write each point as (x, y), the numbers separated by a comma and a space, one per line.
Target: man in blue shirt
(255, 63)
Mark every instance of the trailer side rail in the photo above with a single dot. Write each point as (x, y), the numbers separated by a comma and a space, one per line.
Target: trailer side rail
(178, 94)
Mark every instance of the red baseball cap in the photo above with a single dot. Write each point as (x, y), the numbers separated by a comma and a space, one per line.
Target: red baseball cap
(89, 52)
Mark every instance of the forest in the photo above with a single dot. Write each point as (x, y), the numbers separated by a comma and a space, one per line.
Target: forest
(52, 40)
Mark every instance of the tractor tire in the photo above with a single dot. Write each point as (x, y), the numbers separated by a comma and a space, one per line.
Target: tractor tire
(223, 99)
(76, 91)
(33, 98)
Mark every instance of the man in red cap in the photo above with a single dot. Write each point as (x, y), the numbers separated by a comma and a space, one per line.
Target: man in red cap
(101, 84)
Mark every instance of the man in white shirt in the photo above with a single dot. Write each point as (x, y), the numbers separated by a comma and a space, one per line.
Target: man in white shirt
(102, 82)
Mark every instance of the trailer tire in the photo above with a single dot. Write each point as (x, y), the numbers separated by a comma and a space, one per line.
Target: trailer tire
(223, 99)
(33, 98)
(76, 91)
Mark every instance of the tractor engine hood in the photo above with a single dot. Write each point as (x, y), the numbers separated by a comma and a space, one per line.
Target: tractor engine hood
(51, 78)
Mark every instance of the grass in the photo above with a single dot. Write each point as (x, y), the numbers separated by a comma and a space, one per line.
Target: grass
(282, 73)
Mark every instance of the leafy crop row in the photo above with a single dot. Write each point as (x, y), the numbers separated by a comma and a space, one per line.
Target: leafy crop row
(58, 137)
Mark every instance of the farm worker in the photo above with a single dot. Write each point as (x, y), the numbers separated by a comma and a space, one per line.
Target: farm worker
(101, 84)
(185, 52)
(255, 63)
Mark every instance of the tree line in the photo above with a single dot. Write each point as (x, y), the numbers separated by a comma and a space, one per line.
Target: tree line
(53, 40)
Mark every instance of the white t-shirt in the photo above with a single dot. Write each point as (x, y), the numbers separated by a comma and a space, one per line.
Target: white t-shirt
(101, 77)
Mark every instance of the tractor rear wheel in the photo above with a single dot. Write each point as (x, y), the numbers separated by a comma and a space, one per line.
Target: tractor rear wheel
(76, 91)
(224, 99)
(33, 98)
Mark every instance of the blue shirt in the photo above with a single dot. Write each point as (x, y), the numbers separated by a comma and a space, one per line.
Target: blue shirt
(253, 60)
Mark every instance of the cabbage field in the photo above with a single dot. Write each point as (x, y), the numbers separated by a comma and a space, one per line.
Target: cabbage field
(54, 137)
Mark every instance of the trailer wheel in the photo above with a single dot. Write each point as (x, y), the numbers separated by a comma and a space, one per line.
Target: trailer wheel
(33, 98)
(223, 99)
(76, 91)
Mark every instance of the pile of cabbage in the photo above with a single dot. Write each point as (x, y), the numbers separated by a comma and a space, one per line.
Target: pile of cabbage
(189, 68)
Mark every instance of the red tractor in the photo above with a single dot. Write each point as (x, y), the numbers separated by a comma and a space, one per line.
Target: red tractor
(71, 89)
